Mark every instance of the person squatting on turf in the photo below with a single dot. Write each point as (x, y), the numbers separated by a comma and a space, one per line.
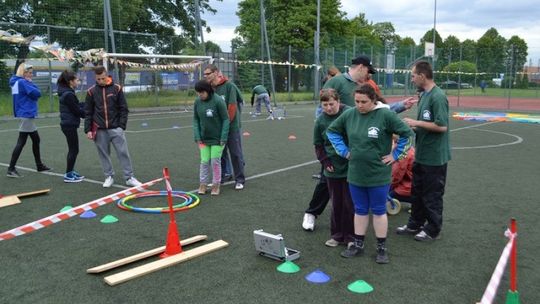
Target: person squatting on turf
(106, 116)
(335, 171)
(400, 188)
(228, 91)
(71, 112)
(210, 131)
(363, 135)
(432, 157)
(25, 106)
(263, 96)
(345, 85)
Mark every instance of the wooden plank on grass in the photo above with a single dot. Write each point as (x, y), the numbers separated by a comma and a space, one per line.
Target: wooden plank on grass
(136, 272)
(9, 200)
(142, 255)
(37, 192)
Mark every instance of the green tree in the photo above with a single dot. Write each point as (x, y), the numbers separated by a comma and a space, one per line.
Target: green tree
(449, 51)
(4, 77)
(516, 53)
(465, 68)
(159, 17)
(469, 50)
(288, 23)
(491, 53)
(212, 47)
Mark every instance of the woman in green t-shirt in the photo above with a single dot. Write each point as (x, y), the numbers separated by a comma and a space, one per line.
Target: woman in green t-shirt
(363, 135)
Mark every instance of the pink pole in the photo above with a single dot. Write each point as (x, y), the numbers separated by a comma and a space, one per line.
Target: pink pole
(513, 257)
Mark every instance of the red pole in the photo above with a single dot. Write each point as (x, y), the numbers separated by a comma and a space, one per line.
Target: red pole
(173, 245)
(513, 257)
(169, 194)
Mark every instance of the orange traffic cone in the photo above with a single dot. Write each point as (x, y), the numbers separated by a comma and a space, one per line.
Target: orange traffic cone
(173, 241)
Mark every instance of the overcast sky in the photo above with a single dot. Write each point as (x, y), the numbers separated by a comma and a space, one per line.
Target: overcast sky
(465, 19)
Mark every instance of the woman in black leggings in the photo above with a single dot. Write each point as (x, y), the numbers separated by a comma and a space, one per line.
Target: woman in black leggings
(25, 106)
(71, 112)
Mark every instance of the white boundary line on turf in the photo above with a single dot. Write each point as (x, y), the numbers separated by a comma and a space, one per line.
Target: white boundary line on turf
(92, 181)
(40, 127)
(515, 142)
(153, 118)
(286, 168)
(474, 127)
(190, 126)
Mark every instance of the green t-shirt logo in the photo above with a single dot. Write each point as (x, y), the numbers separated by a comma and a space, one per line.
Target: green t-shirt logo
(373, 132)
(426, 115)
(209, 113)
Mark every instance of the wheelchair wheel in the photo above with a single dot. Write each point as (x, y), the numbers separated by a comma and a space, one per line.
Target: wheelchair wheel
(393, 206)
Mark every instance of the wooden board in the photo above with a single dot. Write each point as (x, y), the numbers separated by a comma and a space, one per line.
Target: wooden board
(9, 200)
(136, 272)
(142, 255)
(37, 192)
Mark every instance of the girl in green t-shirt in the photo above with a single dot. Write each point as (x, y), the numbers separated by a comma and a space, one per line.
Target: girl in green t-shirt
(210, 131)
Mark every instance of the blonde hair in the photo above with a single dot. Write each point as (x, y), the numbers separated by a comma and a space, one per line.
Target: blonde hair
(23, 67)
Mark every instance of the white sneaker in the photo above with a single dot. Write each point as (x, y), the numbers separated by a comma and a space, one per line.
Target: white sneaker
(239, 186)
(108, 182)
(309, 222)
(133, 182)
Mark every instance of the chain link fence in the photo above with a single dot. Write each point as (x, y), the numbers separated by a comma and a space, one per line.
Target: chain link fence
(460, 71)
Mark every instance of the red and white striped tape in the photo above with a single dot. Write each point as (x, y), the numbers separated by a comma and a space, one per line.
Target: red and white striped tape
(491, 289)
(55, 218)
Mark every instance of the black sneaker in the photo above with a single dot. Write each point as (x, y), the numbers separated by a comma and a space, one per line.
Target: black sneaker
(13, 173)
(42, 168)
(355, 248)
(382, 255)
(405, 230)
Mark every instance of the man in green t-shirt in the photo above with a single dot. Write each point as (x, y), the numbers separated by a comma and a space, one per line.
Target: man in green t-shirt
(228, 90)
(432, 156)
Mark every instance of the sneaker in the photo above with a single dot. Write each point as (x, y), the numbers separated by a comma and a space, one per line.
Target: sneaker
(239, 186)
(108, 182)
(309, 222)
(202, 189)
(382, 255)
(133, 182)
(13, 173)
(72, 178)
(215, 190)
(270, 117)
(43, 168)
(355, 248)
(316, 176)
(77, 174)
(422, 236)
(405, 230)
(332, 243)
(226, 177)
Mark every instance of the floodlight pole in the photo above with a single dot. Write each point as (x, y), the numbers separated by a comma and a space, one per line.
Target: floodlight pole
(316, 49)
(263, 24)
(434, 31)
(199, 24)
(110, 33)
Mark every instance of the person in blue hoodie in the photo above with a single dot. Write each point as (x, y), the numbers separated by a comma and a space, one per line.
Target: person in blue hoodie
(25, 106)
(71, 112)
